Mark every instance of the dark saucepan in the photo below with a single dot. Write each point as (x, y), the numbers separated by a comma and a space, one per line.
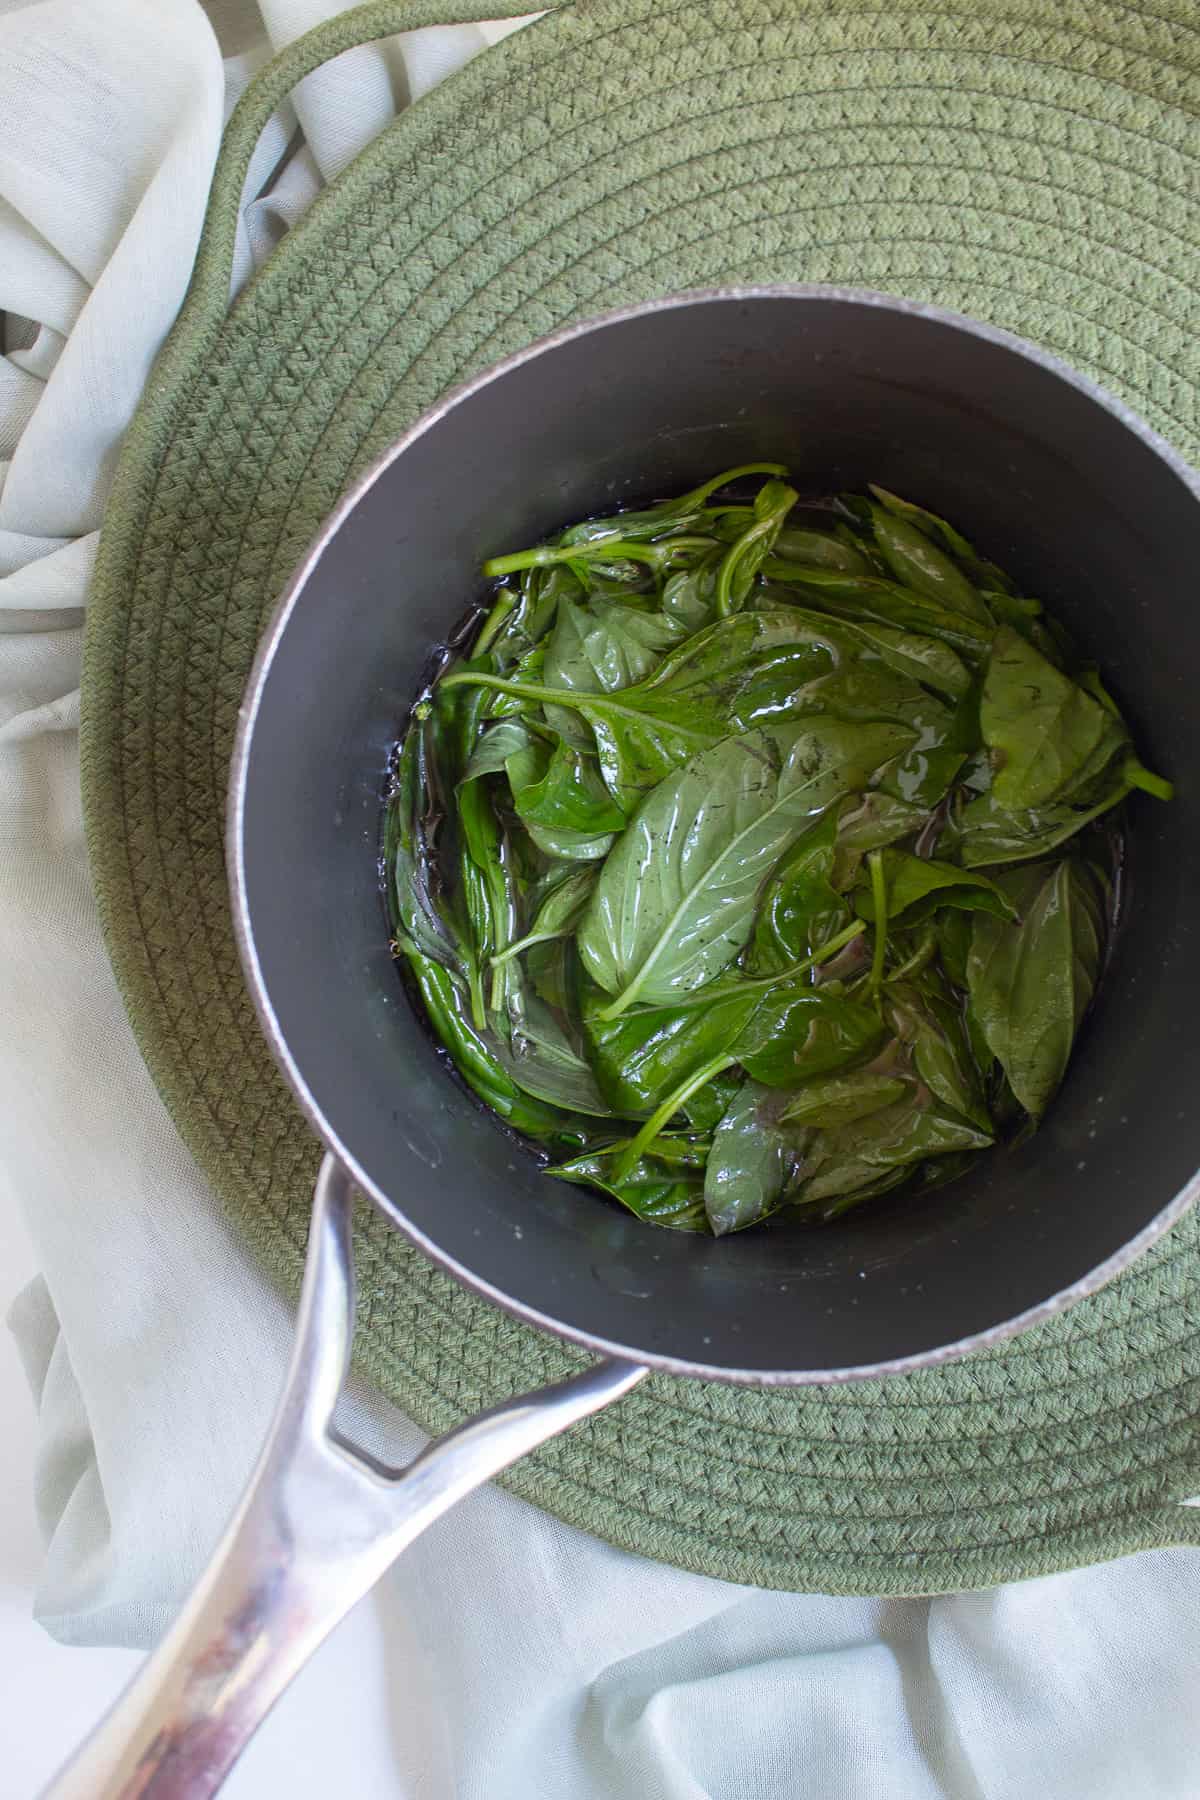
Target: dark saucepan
(1051, 480)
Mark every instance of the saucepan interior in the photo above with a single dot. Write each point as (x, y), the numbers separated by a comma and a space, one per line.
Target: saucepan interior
(1052, 481)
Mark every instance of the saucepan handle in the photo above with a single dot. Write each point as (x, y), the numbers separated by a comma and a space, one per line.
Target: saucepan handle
(316, 1528)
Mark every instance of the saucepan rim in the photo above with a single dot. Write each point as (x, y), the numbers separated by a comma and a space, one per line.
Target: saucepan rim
(235, 860)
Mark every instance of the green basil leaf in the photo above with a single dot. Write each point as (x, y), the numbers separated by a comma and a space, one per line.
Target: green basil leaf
(475, 1055)
(676, 898)
(742, 561)
(550, 966)
(560, 789)
(689, 595)
(819, 550)
(920, 658)
(558, 912)
(841, 1099)
(1030, 983)
(485, 872)
(669, 516)
(507, 737)
(420, 915)
(852, 1159)
(988, 833)
(984, 574)
(876, 819)
(917, 886)
(750, 1162)
(799, 909)
(1047, 737)
(570, 846)
(954, 929)
(860, 598)
(604, 646)
(660, 1188)
(1025, 618)
(868, 823)
(510, 638)
(954, 944)
(925, 769)
(925, 1018)
(916, 562)
(542, 1060)
(528, 666)
(870, 1187)
(706, 1108)
(645, 1054)
(722, 682)
(796, 1034)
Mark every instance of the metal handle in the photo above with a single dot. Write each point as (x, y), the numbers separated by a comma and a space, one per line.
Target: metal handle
(315, 1529)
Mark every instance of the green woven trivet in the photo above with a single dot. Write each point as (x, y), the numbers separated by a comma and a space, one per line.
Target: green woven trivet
(1029, 162)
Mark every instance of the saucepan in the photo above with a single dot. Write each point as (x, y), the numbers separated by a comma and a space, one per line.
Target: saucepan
(1058, 482)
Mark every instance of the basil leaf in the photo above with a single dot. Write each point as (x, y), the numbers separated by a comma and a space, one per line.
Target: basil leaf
(742, 561)
(876, 819)
(841, 1099)
(475, 1055)
(798, 1033)
(645, 1054)
(987, 833)
(690, 594)
(860, 598)
(604, 646)
(709, 1104)
(502, 705)
(942, 735)
(676, 898)
(558, 912)
(568, 845)
(512, 632)
(984, 574)
(917, 886)
(914, 560)
(420, 916)
(799, 908)
(920, 658)
(954, 944)
(820, 550)
(542, 1060)
(868, 823)
(485, 872)
(560, 789)
(821, 1211)
(853, 1158)
(679, 514)
(1030, 983)
(662, 1187)
(750, 1162)
(1047, 737)
(507, 737)
(926, 1020)
(550, 966)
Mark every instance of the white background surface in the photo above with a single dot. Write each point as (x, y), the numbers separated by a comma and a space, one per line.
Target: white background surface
(332, 1734)
(335, 1732)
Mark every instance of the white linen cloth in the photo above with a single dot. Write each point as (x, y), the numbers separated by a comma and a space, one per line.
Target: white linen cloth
(525, 1658)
